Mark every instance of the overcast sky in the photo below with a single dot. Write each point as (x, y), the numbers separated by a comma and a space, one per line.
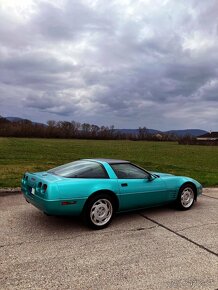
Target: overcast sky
(126, 63)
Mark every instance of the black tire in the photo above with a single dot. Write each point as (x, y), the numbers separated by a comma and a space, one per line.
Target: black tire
(99, 211)
(186, 197)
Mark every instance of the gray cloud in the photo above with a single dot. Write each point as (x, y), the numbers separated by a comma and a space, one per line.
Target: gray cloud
(127, 63)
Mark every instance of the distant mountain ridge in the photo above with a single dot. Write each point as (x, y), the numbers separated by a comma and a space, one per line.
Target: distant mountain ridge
(17, 119)
(179, 133)
(185, 132)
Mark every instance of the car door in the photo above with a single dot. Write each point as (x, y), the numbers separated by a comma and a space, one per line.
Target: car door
(137, 189)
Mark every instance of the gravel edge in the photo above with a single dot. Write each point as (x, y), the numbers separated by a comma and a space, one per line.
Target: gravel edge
(9, 191)
(206, 189)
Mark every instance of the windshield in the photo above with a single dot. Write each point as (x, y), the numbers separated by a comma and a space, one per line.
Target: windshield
(80, 169)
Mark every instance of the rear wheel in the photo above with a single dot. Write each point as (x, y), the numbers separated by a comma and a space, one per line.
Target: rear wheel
(99, 211)
(186, 197)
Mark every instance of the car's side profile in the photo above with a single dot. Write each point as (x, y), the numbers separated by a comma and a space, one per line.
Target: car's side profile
(98, 188)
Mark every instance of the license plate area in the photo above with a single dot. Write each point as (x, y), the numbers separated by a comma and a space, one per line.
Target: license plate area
(31, 190)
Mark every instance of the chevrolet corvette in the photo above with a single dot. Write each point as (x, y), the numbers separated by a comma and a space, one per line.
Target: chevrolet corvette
(99, 188)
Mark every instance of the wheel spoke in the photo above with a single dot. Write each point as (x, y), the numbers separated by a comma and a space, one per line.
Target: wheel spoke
(187, 197)
(101, 212)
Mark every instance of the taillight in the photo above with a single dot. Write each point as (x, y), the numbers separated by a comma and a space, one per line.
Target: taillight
(25, 177)
(44, 187)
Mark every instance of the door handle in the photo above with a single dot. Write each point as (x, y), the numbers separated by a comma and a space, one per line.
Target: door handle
(124, 184)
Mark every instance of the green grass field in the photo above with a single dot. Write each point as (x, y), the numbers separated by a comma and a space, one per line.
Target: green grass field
(19, 155)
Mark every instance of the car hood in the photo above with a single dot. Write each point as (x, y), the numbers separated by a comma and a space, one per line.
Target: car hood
(162, 174)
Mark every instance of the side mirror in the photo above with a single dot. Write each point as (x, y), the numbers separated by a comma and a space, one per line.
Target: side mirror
(150, 177)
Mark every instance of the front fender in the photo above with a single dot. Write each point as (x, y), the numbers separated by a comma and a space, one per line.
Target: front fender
(173, 184)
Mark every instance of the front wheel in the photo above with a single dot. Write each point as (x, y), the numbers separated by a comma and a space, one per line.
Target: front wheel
(99, 211)
(186, 197)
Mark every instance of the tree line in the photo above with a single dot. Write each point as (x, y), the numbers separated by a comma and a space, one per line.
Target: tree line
(74, 130)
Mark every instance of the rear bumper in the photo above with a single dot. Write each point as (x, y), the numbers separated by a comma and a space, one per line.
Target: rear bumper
(55, 207)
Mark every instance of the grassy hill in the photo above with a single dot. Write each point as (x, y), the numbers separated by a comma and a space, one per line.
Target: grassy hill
(18, 155)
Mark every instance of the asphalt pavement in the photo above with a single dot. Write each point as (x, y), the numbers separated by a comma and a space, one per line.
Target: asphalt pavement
(159, 248)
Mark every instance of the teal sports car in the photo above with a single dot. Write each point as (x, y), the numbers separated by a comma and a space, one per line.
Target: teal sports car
(98, 188)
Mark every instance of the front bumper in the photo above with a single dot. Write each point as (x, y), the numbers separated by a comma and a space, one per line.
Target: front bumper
(199, 190)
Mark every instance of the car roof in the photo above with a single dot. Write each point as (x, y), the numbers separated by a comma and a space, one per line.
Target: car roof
(109, 161)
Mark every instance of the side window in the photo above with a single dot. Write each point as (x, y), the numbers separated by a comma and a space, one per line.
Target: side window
(91, 171)
(128, 171)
